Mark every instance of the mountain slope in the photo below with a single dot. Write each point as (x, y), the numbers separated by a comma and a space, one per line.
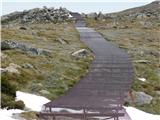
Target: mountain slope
(136, 30)
(143, 9)
(37, 55)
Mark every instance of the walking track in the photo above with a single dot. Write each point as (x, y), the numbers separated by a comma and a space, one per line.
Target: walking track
(106, 85)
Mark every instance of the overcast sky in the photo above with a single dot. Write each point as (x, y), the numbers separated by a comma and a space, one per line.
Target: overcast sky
(85, 6)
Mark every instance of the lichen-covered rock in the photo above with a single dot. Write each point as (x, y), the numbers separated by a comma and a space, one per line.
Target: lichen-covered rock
(27, 65)
(44, 92)
(12, 68)
(38, 51)
(5, 45)
(8, 44)
(143, 98)
(140, 98)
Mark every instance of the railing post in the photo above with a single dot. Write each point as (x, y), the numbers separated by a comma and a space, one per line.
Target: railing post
(84, 114)
(54, 117)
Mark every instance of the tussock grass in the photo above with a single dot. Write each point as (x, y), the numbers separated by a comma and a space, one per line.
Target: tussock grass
(141, 44)
(55, 73)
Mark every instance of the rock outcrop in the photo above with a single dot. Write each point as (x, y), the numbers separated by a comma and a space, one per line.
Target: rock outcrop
(38, 15)
(8, 44)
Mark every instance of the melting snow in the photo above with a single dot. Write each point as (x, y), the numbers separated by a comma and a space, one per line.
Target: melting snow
(34, 102)
(7, 114)
(142, 79)
(136, 114)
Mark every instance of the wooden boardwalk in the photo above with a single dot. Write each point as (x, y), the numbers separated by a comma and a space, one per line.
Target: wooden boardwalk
(106, 85)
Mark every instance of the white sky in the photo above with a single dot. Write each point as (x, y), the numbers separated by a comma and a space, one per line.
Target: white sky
(85, 6)
(77, 0)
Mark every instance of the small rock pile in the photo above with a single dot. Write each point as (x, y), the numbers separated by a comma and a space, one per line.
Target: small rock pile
(38, 15)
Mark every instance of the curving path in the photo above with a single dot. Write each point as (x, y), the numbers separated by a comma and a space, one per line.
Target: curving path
(104, 88)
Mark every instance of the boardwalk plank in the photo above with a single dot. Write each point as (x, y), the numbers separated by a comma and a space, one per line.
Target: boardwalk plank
(108, 81)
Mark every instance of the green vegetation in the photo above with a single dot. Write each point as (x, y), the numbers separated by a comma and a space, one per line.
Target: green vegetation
(54, 73)
(141, 44)
(9, 102)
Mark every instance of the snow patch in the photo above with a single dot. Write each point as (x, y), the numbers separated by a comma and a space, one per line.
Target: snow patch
(35, 103)
(32, 102)
(7, 114)
(136, 114)
(142, 79)
(70, 16)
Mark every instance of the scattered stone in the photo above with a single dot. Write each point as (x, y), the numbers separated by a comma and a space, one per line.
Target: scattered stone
(14, 65)
(17, 116)
(23, 28)
(80, 53)
(146, 24)
(2, 70)
(62, 41)
(143, 98)
(100, 16)
(123, 27)
(141, 15)
(35, 51)
(39, 85)
(158, 93)
(140, 98)
(154, 53)
(11, 69)
(27, 65)
(44, 92)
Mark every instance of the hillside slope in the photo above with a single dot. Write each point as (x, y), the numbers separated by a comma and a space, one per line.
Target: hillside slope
(136, 30)
(40, 57)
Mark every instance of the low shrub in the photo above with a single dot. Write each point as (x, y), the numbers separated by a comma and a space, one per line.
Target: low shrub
(6, 86)
(10, 103)
(19, 105)
(7, 101)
